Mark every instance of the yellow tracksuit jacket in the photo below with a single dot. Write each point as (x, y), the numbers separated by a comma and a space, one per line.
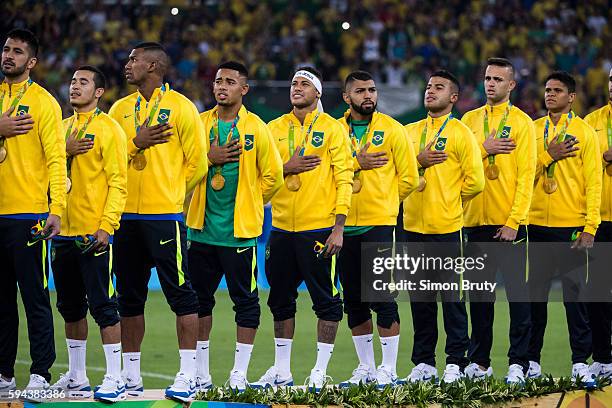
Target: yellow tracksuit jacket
(173, 168)
(385, 187)
(505, 200)
(260, 175)
(578, 197)
(598, 120)
(439, 208)
(326, 190)
(99, 178)
(36, 161)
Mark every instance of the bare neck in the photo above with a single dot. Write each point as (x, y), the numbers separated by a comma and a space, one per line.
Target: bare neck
(358, 116)
(18, 79)
(442, 112)
(228, 113)
(301, 113)
(555, 116)
(148, 86)
(86, 108)
(497, 103)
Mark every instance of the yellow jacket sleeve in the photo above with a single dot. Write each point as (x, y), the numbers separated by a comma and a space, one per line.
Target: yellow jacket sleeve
(526, 167)
(115, 113)
(405, 163)
(592, 176)
(54, 146)
(114, 161)
(341, 161)
(195, 149)
(471, 165)
(269, 164)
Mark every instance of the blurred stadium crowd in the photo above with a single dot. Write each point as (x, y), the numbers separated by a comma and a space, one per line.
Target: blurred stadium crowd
(399, 41)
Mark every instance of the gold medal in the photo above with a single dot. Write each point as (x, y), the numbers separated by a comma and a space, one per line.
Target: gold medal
(68, 184)
(139, 162)
(3, 154)
(550, 185)
(217, 182)
(422, 184)
(492, 171)
(608, 167)
(356, 185)
(293, 182)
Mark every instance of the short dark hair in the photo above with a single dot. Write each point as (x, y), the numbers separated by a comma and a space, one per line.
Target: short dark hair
(98, 78)
(163, 59)
(501, 62)
(565, 78)
(236, 66)
(357, 76)
(442, 73)
(150, 45)
(27, 37)
(312, 70)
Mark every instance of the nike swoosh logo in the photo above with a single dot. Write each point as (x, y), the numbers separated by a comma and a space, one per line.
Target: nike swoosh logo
(280, 140)
(165, 242)
(598, 130)
(116, 351)
(384, 344)
(74, 346)
(369, 340)
(383, 250)
(276, 382)
(100, 253)
(204, 348)
(280, 345)
(31, 243)
(133, 359)
(241, 250)
(127, 116)
(518, 242)
(71, 387)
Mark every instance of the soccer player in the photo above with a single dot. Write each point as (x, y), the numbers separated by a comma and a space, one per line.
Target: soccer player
(450, 175)
(226, 216)
(506, 138)
(385, 173)
(32, 162)
(167, 158)
(565, 207)
(600, 313)
(308, 216)
(96, 148)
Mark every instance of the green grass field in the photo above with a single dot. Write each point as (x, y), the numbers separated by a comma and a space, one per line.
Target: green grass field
(160, 351)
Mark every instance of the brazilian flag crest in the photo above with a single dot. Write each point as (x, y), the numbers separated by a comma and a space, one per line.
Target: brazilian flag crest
(22, 110)
(505, 133)
(317, 139)
(249, 142)
(163, 116)
(378, 137)
(441, 144)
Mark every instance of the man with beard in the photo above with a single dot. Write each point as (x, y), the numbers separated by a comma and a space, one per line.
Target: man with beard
(506, 138)
(385, 173)
(451, 174)
(32, 162)
(167, 157)
(96, 147)
(600, 313)
(226, 216)
(308, 216)
(564, 208)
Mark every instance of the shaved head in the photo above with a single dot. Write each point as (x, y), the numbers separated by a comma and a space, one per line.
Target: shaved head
(155, 53)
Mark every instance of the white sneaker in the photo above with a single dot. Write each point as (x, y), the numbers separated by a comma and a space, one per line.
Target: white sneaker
(451, 374)
(133, 386)
(37, 383)
(385, 377)
(515, 374)
(237, 381)
(272, 378)
(534, 371)
(361, 375)
(72, 387)
(601, 370)
(421, 373)
(203, 383)
(111, 390)
(474, 372)
(183, 389)
(316, 380)
(581, 373)
(6, 387)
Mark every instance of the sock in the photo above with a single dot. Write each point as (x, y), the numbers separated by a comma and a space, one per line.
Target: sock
(365, 350)
(112, 352)
(77, 353)
(324, 353)
(131, 365)
(188, 362)
(282, 356)
(389, 347)
(202, 369)
(242, 357)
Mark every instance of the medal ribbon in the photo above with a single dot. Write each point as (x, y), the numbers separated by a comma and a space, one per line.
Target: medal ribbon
(502, 123)
(215, 130)
(355, 144)
(291, 137)
(609, 127)
(79, 134)
(422, 142)
(550, 171)
(15, 102)
(158, 99)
